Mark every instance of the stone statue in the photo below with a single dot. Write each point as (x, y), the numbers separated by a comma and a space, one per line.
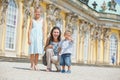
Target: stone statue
(36, 3)
(106, 32)
(27, 11)
(68, 22)
(84, 28)
(103, 6)
(57, 18)
(3, 11)
(96, 32)
(53, 17)
(94, 4)
(112, 5)
(71, 22)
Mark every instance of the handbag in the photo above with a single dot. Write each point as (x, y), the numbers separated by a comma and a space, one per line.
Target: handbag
(44, 61)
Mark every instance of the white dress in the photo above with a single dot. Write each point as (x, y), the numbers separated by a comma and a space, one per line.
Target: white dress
(36, 37)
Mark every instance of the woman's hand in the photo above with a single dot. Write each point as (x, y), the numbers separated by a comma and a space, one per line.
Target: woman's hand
(50, 46)
(29, 42)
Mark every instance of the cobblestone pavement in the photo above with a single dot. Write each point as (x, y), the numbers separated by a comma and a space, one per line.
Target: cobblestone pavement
(21, 71)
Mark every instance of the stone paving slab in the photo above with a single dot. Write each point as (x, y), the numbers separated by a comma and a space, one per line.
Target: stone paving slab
(21, 71)
(26, 60)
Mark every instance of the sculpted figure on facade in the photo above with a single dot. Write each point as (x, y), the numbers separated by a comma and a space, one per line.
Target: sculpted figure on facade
(36, 3)
(53, 16)
(104, 7)
(81, 31)
(50, 18)
(68, 22)
(71, 22)
(92, 29)
(96, 32)
(106, 32)
(58, 21)
(112, 5)
(3, 9)
(27, 11)
(84, 28)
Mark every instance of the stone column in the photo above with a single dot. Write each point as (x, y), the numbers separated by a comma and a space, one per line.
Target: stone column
(92, 45)
(106, 32)
(81, 49)
(81, 37)
(19, 29)
(44, 12)
(3, 8)
(26, 20)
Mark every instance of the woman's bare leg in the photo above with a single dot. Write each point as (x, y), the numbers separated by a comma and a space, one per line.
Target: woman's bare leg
(32, 61)
(36, 61)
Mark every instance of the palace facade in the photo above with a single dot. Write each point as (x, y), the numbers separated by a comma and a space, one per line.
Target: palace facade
(95, 27)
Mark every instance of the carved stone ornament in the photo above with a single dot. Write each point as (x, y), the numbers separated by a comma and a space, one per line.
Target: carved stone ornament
(106, 32)
(58, 20)
(3, 10)
(112, 5)
(96, 32)
(27, 11)
(104, 7)
(83, 29)
(53, 17)
(36, 3)
(71, 22)
(94, 4)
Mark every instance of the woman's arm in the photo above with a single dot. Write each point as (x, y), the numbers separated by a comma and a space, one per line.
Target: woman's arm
(47, 45)
(43, 30)
(29, 31)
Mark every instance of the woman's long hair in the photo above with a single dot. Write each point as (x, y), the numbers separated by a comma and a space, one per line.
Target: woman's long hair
(51, 34)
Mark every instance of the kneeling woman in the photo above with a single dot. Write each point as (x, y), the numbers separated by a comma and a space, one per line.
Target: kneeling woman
(51, 48)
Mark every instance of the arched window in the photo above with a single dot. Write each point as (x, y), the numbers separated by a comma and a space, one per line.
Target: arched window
(113, 47)
(11, 26)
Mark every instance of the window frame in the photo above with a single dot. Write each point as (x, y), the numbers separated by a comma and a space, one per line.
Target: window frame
(12, 25)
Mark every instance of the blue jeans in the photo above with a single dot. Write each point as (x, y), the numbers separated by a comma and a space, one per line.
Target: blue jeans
(65, 59)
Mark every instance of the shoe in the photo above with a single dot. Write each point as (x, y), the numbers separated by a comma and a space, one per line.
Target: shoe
(68, 71)
(62, 71)
(32, 67)
(36, 67)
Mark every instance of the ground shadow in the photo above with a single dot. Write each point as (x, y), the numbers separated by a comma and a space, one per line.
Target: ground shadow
(22, 68)
(31, 70)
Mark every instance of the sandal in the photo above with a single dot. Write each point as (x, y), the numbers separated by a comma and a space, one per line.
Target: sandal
(36, 67)
(32, 67)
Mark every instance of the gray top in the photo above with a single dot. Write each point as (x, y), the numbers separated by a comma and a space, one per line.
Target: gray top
(55, 47)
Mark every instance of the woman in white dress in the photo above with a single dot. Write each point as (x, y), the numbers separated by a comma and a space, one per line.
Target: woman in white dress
(35, 38)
